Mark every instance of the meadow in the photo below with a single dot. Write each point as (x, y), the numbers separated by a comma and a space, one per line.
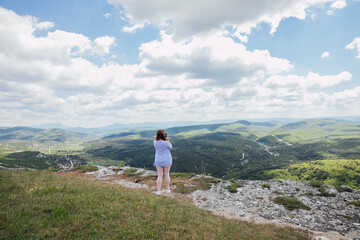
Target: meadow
(42, 205)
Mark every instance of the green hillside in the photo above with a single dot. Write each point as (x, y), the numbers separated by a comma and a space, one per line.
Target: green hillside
(37, 160)
(42, 205)
(218, 149)
(317, 130)
(40, 135)
(331, 172)
(27, 159)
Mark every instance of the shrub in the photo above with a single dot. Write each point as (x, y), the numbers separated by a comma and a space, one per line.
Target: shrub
(316, 183)
(291, 203)
(343, 189)
(233, 187)
(324, 193)
(121, 164)
(266, 185)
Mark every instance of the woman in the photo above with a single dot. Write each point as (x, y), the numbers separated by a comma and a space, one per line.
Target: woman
(163, 160)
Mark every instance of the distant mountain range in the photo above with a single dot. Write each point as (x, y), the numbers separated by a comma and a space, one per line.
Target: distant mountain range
(41, 135)
(138, 127)
(302, 129)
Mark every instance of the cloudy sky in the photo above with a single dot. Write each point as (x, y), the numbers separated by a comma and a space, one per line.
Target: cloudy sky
(93, 63)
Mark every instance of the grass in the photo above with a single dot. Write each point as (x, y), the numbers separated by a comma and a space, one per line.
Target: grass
(336, 172)
(291, 203)
(85, 168)
(325, 193)
(132, 172)
(355, 203)
(266, 185)
(181, 174)
(43, 205)
(204, 183)
(185, 188)
(233, 187)
(316, 184)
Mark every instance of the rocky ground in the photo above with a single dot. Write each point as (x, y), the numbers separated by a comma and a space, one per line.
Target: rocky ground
(328, 218)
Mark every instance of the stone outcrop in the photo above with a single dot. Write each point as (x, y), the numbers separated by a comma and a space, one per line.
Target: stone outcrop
(255, 201)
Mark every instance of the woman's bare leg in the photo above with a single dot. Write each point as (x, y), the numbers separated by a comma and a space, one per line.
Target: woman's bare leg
(160, 172)
(167, 177)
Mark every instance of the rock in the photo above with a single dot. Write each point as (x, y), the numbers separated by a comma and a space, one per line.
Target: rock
(327, 214)
(321, 238)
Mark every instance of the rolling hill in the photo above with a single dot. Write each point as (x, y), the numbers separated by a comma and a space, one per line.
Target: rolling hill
(41, 135)
(218, 149)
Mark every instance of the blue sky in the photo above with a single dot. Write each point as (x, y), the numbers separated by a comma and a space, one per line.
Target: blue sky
(93, 63)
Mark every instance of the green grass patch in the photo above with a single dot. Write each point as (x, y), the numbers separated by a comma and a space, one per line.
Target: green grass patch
(278, 192)
(266, 185)
(185, 188)
(344, 189)
(204, 182)
(132, 172)
(325, 193)
(181, 175)
(355, 203)
(85, 168)
(316, 183)
(331, 172)
(233, 187)
(43, 205)
(309, 194)
(291, 203)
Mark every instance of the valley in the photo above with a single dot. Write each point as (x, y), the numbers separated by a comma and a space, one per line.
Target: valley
(231, 150)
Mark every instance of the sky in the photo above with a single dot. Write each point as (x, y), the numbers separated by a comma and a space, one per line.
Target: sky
(94, 63)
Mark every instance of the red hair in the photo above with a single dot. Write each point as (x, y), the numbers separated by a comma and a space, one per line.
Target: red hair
(160, 135)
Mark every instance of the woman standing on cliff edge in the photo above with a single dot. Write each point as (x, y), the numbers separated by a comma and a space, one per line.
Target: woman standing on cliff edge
(163, 160)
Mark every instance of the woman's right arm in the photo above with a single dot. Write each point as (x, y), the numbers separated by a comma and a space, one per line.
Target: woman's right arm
(170, 145)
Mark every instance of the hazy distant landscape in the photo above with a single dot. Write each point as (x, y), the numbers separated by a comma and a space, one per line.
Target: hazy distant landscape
(232, 150)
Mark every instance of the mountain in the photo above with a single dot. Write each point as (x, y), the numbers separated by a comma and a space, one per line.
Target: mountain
(41, 135)
(52, 125)
(316, 130)
(241, 149)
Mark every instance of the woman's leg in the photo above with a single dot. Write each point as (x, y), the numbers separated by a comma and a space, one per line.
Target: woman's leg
(160, 172)
(167, 177)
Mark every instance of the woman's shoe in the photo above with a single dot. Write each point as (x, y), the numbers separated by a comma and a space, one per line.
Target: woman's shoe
(158, 193)
(168, 191)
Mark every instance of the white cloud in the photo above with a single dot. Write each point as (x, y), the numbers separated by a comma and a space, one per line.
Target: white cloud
(133, 28)
(206, 77)
(312, 80)
(188, 18)
(217, 59)
(339, 4)
(325, 55)
(103, 44)
(108, 15)
(354, 45)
